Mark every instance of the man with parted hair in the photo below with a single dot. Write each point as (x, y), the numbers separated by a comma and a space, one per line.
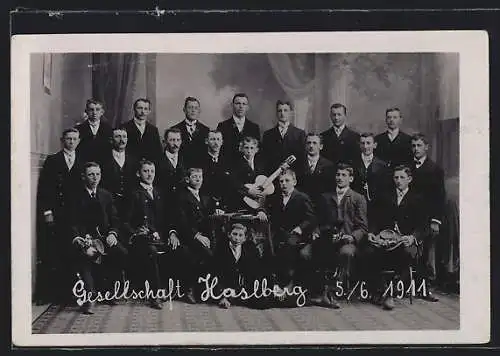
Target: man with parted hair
(394, 145)
(282, 140)
(340, 143)
(237, 127)
(143, 136)
(193, 131)
(95, 132)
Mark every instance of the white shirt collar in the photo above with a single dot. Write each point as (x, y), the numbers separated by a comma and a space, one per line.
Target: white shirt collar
(94, 126)
(283, 126)
(236, 250)
(171, 156)
(341, 192)
(420, 161)
(287, 197)
(195, 192)
(313, 159)
(392, 133)
(190, 123)
(367, 159)
(212, 155)
(90, 191)
(68, 152)
(118, 153)
(148, 187)
(402, 192)
(239, 121)
(339, 130)
(140, 123)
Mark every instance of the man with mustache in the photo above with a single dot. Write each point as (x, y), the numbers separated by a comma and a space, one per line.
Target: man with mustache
(143, 137)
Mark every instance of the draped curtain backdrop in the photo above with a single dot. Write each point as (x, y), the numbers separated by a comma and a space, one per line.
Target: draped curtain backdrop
(114, 82)
(423, 85)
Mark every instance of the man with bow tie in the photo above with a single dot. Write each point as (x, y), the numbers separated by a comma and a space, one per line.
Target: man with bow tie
(59, 178)
(94, 216)
(95, 133)
(192, 130)
(315, 175)
(341, 144)
(292, 223)
(428, 181)
(393, 145)
(282, 140)
(343, 225)
(400, 210)
(143, 137)
(237, 127)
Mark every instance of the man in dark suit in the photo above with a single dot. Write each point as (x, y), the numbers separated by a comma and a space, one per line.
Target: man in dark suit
(192, 130)
(315, 174)
(401, 210)
(371, 174)
(143, 137)
(119, 168)
(237, 264)
(343, 225)
(171, 167)
(150, 230)
(216, 170)
(245, 169)
(93, 215)
(95, 133)
(292, 223)
(428, 181)
(341, 144)
(237, 127)
(282, 140)
(193, 214)
(60, 178)
(394, 146)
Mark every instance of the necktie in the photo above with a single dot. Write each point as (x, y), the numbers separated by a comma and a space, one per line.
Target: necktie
(400, 196)
(92, 195)
(311, 167)
(150, 192)
(71, 160)
(417, 163)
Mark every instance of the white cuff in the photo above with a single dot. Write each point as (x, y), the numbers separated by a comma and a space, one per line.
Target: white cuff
(112, 233)
(172, 231)
(436, 221)
(47, 212)
(75, 239)
(197, 235)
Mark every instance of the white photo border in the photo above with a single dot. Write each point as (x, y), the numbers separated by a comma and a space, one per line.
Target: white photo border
(472, 47)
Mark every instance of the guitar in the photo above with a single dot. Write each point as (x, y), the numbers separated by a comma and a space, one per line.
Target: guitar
(265, 184)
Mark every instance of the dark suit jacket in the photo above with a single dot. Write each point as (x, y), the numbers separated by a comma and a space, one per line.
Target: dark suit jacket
(87, 214)
(192, 146)
(57, 184)
(276, 149)
(297, 212)
(92, 147)
(193, 215)
(377, 175)
(410, 215)
(169, 179)
(232, 137)
(428, 182)
(229, 270)
(315, 183)
(144, 210)
(395, 152)
(119, 181)
(340, 149)
(350, 214)
(148, 146)
(216, 176)
(243, 174)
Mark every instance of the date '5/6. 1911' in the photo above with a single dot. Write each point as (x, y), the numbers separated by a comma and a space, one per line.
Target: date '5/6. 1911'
(394, 289)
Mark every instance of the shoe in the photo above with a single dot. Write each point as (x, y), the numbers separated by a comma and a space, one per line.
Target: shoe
(87, 308)
(155, 304)
(388, 303)
(191, 299)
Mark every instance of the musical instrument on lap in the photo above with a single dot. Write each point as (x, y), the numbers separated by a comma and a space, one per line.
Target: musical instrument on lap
(92, 247)
(390, 240)
(265, 185)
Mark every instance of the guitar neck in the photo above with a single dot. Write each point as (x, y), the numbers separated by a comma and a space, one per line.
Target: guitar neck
(271, 178)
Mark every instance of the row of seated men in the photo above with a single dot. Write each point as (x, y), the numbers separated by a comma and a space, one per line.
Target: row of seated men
(224, 182)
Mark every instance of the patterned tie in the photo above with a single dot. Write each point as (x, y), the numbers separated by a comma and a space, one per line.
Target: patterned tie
(71, 160)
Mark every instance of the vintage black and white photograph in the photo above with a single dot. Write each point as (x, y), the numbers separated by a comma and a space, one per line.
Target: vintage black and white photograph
(287, 186)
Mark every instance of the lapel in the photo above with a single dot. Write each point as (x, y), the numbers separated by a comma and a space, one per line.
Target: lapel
(290, 201)
(61, 161)
(136, 134)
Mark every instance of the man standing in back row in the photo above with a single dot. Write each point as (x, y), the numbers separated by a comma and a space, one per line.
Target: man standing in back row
(237, 127)
(340, 143)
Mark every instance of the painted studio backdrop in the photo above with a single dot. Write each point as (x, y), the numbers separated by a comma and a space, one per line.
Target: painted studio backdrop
(424, 86)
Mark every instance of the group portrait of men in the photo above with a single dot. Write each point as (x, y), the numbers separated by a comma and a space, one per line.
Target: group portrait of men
(125, 202)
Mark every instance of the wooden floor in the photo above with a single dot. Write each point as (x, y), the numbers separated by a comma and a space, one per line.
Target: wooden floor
(136, 317)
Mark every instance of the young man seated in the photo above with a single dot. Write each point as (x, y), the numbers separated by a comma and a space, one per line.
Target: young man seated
(246, 168)
(400, 212)
(94, 217)
(237, 265)
(194, 210)
(151, 232)
(343, 224)
(292, 222)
